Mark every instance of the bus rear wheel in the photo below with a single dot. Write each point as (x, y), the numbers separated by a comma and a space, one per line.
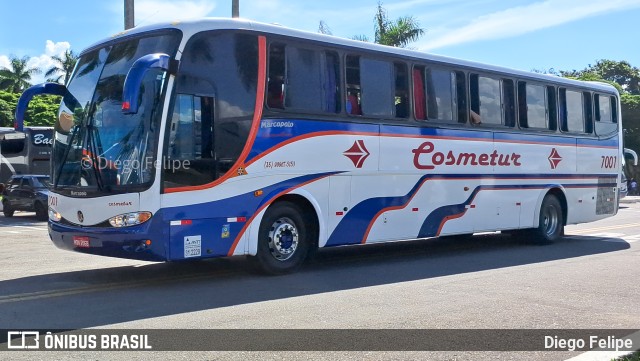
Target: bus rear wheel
(550, 222)
(283, 239)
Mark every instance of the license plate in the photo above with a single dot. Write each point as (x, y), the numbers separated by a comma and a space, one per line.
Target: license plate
(81, 242)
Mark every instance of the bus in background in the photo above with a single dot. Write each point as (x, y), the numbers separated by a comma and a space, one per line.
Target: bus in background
(223, 137)
(25, 152)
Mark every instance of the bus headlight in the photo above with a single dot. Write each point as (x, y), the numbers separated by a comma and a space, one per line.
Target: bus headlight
(129, 219)
(54, 216)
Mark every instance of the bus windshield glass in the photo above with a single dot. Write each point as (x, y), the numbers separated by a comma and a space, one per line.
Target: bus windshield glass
(97, 147)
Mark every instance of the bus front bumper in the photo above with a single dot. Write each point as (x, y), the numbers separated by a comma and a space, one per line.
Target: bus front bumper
(136, 242)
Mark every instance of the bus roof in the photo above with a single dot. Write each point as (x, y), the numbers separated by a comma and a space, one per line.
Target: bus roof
(191, 27)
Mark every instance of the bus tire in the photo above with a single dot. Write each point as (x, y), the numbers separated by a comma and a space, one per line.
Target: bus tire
(550, 221)
(41, 212)
(283, 239)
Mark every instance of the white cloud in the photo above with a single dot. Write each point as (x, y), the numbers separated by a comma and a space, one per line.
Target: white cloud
(525, 19)
(4, 61)
(56, 49)
(153, 11)
(42, 61)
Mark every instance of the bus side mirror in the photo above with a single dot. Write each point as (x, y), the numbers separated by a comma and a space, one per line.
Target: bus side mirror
(27, 95)
(133, 81)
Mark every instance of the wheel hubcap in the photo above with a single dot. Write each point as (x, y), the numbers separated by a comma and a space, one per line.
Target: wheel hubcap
(283, 239)
(550, 221)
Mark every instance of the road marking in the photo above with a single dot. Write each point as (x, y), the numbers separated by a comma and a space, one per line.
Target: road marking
(106, 287)
(591, 230)
(30, 227)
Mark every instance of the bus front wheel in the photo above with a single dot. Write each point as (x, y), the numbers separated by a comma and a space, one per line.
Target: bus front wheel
(550, 222)
(283, 239)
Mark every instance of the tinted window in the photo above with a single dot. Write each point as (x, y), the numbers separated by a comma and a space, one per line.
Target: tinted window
(441, 87)
(213, 106)
(489, 92)
(303, 88)
(332, 82)
(574, 119)
(534, 106)
(354, 99)
(377, 87)
(402, 90)
(606, 121)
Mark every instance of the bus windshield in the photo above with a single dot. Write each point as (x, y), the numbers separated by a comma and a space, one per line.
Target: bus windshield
(96, 146)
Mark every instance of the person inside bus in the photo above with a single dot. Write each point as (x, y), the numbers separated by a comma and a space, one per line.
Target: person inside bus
(475, 118)
(353, 106)
(275, 93)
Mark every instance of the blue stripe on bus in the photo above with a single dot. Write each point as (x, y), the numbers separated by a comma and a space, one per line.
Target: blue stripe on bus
(273, 132)
(208, 219)
(353, 227)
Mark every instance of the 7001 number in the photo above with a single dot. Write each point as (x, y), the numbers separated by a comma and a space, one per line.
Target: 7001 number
(609, 162)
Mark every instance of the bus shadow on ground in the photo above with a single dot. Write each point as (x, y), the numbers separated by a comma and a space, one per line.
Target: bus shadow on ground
(99, 297)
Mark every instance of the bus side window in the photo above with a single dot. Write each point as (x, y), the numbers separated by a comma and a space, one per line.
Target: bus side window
(419, 96)
(402, 90)
(575, 117)
(275, 87)
(509, 108)
(486, 100)
(353, 85)
(332, 82)
(377, 94)
(588, 112)
(552, 103)
(605, 114)
(532, 106)
(441, 87)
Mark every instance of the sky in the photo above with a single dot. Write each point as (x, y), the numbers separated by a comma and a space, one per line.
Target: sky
(519, 34)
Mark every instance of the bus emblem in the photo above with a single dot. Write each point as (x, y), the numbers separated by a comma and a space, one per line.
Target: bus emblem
(358, 153)
(554, 158)
(80, 217)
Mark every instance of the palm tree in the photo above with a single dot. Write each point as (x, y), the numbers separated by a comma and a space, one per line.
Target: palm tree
(63, 66)
(399, 33)
(17, 76)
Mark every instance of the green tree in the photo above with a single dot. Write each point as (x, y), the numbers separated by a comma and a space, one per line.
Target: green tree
(8, 101)
(626, 79)
(63, 67)
(399, 33)
(17, 76)
(42, 110)
(620, 72)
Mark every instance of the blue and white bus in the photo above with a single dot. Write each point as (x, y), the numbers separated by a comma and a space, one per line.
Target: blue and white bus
(223, 137)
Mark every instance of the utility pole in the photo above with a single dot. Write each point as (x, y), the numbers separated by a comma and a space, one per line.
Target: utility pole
(128, 14)
(235, 8)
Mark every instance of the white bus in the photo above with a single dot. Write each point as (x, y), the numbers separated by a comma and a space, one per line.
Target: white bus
(224, 137)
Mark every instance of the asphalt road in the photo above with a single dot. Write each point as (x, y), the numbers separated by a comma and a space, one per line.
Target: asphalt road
(588, 280)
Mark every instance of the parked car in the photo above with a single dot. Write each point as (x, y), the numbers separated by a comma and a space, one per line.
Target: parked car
(26, 193)
(623, 186)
